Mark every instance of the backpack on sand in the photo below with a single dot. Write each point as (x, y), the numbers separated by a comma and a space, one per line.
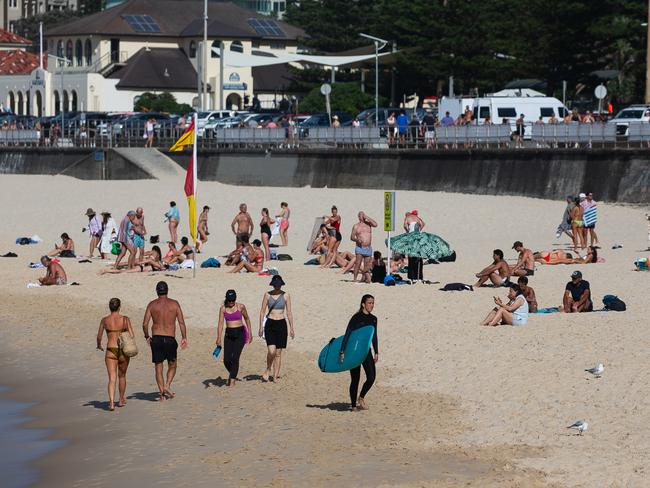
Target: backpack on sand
(614, 303)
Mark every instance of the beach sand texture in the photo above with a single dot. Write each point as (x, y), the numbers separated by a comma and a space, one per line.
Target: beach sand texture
(455, 404)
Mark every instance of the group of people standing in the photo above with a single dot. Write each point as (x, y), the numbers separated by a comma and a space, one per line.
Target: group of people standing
(579, 220)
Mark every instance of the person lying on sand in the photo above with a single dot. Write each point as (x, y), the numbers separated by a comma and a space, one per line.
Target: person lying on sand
(515, 312)
(65, 250)
(498, 272)
(398, 262)
(561, 257)
(345, 260)
(153, 263)
(55, 275)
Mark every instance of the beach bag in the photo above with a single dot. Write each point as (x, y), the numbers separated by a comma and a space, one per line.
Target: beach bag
(116, 247)
(613, 303)
(284, 257)
(127, 344)
(457, 287)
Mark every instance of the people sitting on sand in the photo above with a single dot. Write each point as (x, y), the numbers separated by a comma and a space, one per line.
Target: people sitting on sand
(152, 263)
(577, 295)
(562, 257)
(55, 275)
(515, 312)
(398, 263)
(378, 270)
(528, 293)
(65, 250)
(116, 361)
(252, 259)
(321, 242)
(345, 260)
(525, 262)
(170, 255)
(498, 272)
(185, 252)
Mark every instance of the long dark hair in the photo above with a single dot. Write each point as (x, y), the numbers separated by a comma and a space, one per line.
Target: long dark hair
(364, 299)
(594, 259)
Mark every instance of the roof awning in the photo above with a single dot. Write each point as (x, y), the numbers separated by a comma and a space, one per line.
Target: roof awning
(240, 60)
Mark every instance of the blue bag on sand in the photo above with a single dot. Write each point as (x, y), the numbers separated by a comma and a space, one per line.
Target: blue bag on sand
(211, 263)
(389, 281)
(216, 352)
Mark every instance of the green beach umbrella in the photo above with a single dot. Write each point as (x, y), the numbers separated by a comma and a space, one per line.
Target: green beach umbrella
(421, 245)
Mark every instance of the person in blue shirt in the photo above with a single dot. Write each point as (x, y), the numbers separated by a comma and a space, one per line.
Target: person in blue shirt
(174, 217)
(402, 124)
(447, 120)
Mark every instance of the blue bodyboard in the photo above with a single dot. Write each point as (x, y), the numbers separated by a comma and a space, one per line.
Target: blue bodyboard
(356, 351)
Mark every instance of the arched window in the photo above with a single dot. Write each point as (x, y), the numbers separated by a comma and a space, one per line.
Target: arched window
(57, 102)
(192, 49)
(19, 110)
(88, 51)
(215, 45)
(237, 47)
(66, 101)
(79, 53)
(59, 49)
(12, 102)
(74, 101)
(68, 50)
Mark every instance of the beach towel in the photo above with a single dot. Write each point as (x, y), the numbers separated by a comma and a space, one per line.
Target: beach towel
(33, 285)
(36, 265)
(211, 263)
(547, 310)
(590, 216)
(187, 264)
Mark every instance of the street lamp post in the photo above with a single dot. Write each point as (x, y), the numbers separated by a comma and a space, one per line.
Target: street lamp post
(647, 65)
(61, 62)
(377, 40)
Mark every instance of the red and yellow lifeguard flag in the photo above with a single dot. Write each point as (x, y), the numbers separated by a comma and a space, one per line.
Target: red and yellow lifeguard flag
(189, 138)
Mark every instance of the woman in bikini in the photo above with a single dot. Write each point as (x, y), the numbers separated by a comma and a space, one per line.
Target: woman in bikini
(276, 308)
(333, 225)
(391, 128)
(265, 229)
(577, 226)
(116, 362)
(238, 333)
(254, 261)
(153, 263)
(283, 217)
(561, 257)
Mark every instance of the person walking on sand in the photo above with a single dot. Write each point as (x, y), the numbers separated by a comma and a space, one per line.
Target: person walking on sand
(275, 314)
(125, 238)
(360, 319)
(109, 234)
(173, 216)
(242, 224)
(238, 333)
(283, 220)
(116, 361)
(94, 229)
(164, 312)
(362, 237)
(203, 227)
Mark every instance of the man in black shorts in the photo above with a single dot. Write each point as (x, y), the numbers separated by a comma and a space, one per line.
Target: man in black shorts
(164, 312)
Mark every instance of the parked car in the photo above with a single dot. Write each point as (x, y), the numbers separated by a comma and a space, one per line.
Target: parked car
(205, 118)
(225, 123)
(322, 119)
(633, 113)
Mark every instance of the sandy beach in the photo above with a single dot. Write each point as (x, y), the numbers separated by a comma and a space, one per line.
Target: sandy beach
(454, 405)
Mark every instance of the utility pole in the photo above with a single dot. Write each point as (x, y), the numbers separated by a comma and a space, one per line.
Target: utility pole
(647, 60)
(204, 60)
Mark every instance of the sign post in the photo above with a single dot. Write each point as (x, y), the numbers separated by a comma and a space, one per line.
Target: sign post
(326, 89)
(389, 219)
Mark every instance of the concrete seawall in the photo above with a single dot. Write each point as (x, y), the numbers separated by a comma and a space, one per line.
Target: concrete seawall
(613, 175)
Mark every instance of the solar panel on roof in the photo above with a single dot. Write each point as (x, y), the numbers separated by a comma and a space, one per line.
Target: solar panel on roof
(142, 23)
(266, 27)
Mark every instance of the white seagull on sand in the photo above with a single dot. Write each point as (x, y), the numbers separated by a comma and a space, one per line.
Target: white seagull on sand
(580, 426)
(597, 371)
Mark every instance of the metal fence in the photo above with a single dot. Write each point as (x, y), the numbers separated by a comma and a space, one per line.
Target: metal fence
(103, 135)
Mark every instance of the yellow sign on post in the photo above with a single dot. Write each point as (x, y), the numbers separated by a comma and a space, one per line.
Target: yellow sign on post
(389, 211)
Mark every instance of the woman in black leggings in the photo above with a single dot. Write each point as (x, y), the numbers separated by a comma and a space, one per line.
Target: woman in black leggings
(360, 319)
(237, 334)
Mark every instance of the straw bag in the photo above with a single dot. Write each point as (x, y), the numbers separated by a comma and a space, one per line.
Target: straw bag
(127, 344)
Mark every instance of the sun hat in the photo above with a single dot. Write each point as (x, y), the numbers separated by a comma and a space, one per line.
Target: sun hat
(90, 212)
(276, 281)
(582, 195)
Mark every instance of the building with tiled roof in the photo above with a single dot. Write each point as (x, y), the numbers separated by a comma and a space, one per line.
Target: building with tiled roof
(9, 40)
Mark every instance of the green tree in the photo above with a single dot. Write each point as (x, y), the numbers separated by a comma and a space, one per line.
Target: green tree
(345, 97)
(164, 102)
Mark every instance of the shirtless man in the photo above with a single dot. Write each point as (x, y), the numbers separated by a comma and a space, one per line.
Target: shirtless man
(55, 274)
(525, 262)
(203, 227)
(528, 293)
(164, 312)
(362, 236)
(243, 222)
(139, 231)
(498, 272)
(413, 223)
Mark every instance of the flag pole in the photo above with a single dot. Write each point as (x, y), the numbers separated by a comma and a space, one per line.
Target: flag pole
(194, 180)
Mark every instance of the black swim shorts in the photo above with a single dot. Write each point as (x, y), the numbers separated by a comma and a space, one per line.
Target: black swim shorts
(163, 348)
(529, 272)
(275, 333)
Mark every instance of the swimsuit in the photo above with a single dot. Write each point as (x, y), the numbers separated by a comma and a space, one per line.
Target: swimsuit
(138, 240)
(61, 281)
(117, 352)
(365, 251)
(529, 272)
(265, 229)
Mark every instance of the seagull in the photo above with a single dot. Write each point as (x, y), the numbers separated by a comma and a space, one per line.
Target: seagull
(597, 371)
(580, 426)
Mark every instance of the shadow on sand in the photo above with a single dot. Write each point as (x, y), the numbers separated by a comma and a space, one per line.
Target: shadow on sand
(141, 395)
(219, 382)
(97, 404)
(336, 406)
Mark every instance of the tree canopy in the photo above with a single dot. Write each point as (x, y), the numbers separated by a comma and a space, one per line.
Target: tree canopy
(164, 102)
(486, 44)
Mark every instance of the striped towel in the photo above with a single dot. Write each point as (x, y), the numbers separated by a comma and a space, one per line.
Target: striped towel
(590, 216)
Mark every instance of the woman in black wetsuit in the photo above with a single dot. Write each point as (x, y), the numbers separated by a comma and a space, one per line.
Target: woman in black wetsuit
(360, 319)
(265, 230)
